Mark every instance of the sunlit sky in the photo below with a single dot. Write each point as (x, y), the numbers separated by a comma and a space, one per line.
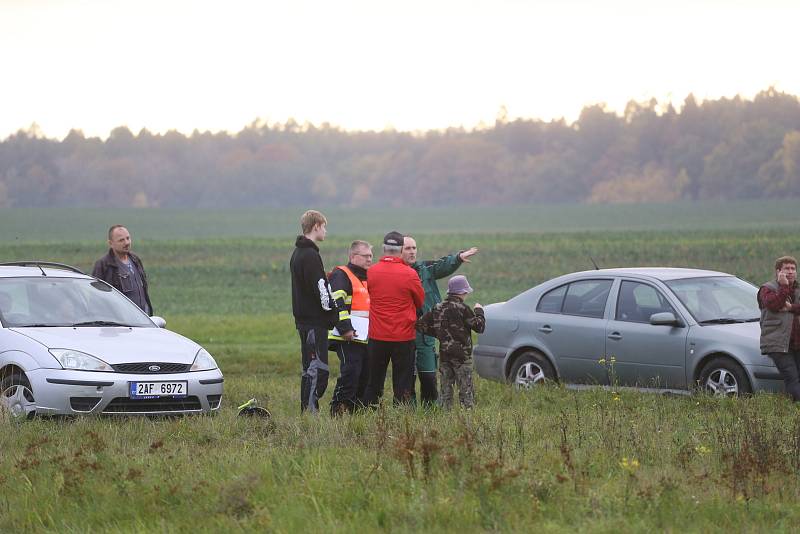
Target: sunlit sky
(94, 65)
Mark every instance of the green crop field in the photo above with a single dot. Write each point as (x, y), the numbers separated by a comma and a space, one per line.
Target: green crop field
(550, 459)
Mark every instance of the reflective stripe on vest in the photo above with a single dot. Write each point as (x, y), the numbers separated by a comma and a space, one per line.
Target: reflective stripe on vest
(358, 301)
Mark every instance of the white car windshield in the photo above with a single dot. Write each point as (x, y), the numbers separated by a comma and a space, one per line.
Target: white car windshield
(50, 301)
(718, 299)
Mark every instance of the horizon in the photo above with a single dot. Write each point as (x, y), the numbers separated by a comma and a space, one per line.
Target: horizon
(35, 130)
(360, 66)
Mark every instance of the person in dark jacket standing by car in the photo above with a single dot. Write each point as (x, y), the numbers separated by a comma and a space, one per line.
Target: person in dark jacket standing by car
(313, 308)
(123, 269)
(349, 286)
(779, 301)
(395, 293)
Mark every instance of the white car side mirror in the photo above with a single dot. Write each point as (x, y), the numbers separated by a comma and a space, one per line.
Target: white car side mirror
(159, 321)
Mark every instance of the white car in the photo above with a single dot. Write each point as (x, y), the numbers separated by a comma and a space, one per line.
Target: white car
(72, 344)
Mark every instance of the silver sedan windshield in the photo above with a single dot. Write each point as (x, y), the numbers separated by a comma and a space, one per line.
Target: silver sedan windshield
(51, 301)
(717, 299)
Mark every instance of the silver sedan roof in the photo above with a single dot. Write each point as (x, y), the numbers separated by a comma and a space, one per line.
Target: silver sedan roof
(658, 273)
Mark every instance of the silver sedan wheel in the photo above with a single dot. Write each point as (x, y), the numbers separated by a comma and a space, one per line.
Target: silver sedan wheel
(528, 375)
(722, 383)
(17, 401)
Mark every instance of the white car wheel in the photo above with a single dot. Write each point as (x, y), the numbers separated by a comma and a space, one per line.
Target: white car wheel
(16, 397)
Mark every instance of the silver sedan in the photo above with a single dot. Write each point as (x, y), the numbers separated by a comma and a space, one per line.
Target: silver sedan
(71, 344)
(661, 328)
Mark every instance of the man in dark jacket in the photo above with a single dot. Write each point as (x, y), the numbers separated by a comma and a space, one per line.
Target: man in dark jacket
(779, 301)
(313, 308)
(349, 338)
(123, 269)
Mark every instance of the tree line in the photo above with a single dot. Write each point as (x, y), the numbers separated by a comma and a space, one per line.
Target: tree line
(731, 148)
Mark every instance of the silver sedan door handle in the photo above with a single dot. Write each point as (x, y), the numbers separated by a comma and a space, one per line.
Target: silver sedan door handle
(615, 335)
(546, 329)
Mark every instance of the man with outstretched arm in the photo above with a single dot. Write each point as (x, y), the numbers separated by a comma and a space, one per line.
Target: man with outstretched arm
(426, 360)
(313, 308)
(349, 287)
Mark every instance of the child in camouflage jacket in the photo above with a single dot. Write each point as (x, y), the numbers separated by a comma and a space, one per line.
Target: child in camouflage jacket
(452, 322)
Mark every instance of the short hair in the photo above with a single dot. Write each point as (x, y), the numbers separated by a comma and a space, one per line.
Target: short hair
(114, 227)
(310, 219)
(357, 244)
(392, 250)
(784, 259)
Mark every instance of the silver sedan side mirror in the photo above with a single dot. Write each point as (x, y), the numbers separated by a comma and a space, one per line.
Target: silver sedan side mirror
(159, 321)
(665, 319)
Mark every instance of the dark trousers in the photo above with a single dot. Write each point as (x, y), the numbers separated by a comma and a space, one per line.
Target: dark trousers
(426, 365)
(314, 357)
(353, 374)
(428, 390)
(788, 363)
(401, 354)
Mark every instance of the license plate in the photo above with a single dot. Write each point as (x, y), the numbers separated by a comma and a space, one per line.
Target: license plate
(153, 390)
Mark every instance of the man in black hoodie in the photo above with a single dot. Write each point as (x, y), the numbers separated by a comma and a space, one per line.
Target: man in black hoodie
(313, 307)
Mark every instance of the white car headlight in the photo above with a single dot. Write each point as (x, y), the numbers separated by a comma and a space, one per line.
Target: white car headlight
(73, 359)
(203, 361)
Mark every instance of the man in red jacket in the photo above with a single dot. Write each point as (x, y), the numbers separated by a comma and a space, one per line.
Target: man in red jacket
(395, 293)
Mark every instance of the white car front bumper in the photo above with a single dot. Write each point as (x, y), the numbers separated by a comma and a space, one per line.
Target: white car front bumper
(68, 392)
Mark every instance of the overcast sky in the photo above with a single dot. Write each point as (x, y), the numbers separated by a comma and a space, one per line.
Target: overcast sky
(407, 64)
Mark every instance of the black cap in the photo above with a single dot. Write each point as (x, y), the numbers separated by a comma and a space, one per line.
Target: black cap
(393, 239)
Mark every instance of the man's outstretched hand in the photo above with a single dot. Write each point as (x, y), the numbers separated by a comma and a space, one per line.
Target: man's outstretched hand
(467, 254)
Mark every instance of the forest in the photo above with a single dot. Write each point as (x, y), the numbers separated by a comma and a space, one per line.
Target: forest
(725, 149)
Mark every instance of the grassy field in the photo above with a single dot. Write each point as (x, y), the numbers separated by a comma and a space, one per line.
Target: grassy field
(550, 459)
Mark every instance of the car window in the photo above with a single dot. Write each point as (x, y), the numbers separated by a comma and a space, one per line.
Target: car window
(52, 301)
(717, 298)
(636, 302)
(587, 298)
(13, 300)
(552, 300)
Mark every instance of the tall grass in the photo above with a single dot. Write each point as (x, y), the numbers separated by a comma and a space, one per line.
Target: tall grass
(550, 458)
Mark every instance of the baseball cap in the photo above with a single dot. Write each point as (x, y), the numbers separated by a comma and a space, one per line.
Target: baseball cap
(393, 239)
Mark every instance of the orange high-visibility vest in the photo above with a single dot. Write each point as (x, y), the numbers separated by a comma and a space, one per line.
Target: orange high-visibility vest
(359, 301)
